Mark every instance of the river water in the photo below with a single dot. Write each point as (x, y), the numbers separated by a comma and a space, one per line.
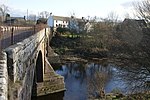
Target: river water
(87, 80)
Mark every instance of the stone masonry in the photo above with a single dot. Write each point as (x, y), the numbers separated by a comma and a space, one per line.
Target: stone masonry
(3, 76)
(18, 67)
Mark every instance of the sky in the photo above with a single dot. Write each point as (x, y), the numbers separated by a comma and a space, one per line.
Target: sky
(81, 8)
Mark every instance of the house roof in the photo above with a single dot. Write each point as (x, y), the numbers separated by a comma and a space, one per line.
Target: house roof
(62, 18)
(140, 22)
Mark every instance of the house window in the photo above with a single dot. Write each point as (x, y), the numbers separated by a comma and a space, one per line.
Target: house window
(56, 21)
(56, 25)
(63, 21)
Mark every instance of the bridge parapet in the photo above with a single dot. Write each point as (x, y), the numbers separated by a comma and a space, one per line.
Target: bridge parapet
(24, 64)
(3, 76)
(22, 52)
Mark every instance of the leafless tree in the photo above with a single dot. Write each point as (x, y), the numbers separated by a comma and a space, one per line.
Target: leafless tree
(97, 79)
(112, 18)
(44, 14)
(108, 23)
(32, 17)
(143, 9)
(3, 11)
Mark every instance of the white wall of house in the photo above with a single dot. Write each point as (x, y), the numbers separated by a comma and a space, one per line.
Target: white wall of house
(88, 27)
(60, 23)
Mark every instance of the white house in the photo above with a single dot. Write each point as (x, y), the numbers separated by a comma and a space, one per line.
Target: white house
(72, 23)
(88, 27)
(60, 21)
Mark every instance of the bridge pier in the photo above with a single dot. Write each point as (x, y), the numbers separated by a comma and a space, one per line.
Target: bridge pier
(47, 83)
(52, 83)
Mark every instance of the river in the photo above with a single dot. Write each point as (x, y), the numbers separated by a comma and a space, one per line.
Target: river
(87, 80)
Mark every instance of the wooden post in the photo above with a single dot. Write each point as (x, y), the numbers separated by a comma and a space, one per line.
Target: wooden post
(34, 29)
(0, 39)
(12, 36)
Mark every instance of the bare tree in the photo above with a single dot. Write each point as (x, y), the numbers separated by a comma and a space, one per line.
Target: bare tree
(112, 18)
(32, 17)
(3, 11)
(143, 9)
(44, 14)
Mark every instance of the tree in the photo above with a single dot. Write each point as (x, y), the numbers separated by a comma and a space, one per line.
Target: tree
(143, 9)
(3, 11)
(112, 18)
(44, 14)
(108, 23)
(32, 17)
(73, 25)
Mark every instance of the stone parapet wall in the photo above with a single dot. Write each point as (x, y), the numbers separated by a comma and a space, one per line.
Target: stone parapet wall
(18, 66)
(21, 64)
(20, 53)
(3, 76)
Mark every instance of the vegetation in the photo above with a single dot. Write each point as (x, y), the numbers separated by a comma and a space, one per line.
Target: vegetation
(3, 12)
(143, 9)
(126, 44)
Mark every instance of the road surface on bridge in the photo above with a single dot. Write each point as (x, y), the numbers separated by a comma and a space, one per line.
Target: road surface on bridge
(6, 37)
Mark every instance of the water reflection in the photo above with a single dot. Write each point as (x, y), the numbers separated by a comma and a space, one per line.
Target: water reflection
(75, 81)
(85, 81)
(138, 76)
(90, 80)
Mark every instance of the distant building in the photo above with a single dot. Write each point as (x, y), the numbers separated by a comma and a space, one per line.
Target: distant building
(138, 23)
(71, 23)
(131, 31)
(60, 21)
(88, 27)
(15, 20)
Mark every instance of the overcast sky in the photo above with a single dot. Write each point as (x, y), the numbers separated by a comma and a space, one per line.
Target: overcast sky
(81, 8)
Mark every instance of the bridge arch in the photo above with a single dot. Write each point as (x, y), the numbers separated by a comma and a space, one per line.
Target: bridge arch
(39, 68)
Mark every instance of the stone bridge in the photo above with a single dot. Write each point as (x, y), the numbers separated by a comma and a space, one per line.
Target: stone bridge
(25, 70)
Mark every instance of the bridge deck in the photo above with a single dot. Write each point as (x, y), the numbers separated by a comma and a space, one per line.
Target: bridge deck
(6, 39)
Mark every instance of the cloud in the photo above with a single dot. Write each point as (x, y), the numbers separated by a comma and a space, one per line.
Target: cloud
(127, 4)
